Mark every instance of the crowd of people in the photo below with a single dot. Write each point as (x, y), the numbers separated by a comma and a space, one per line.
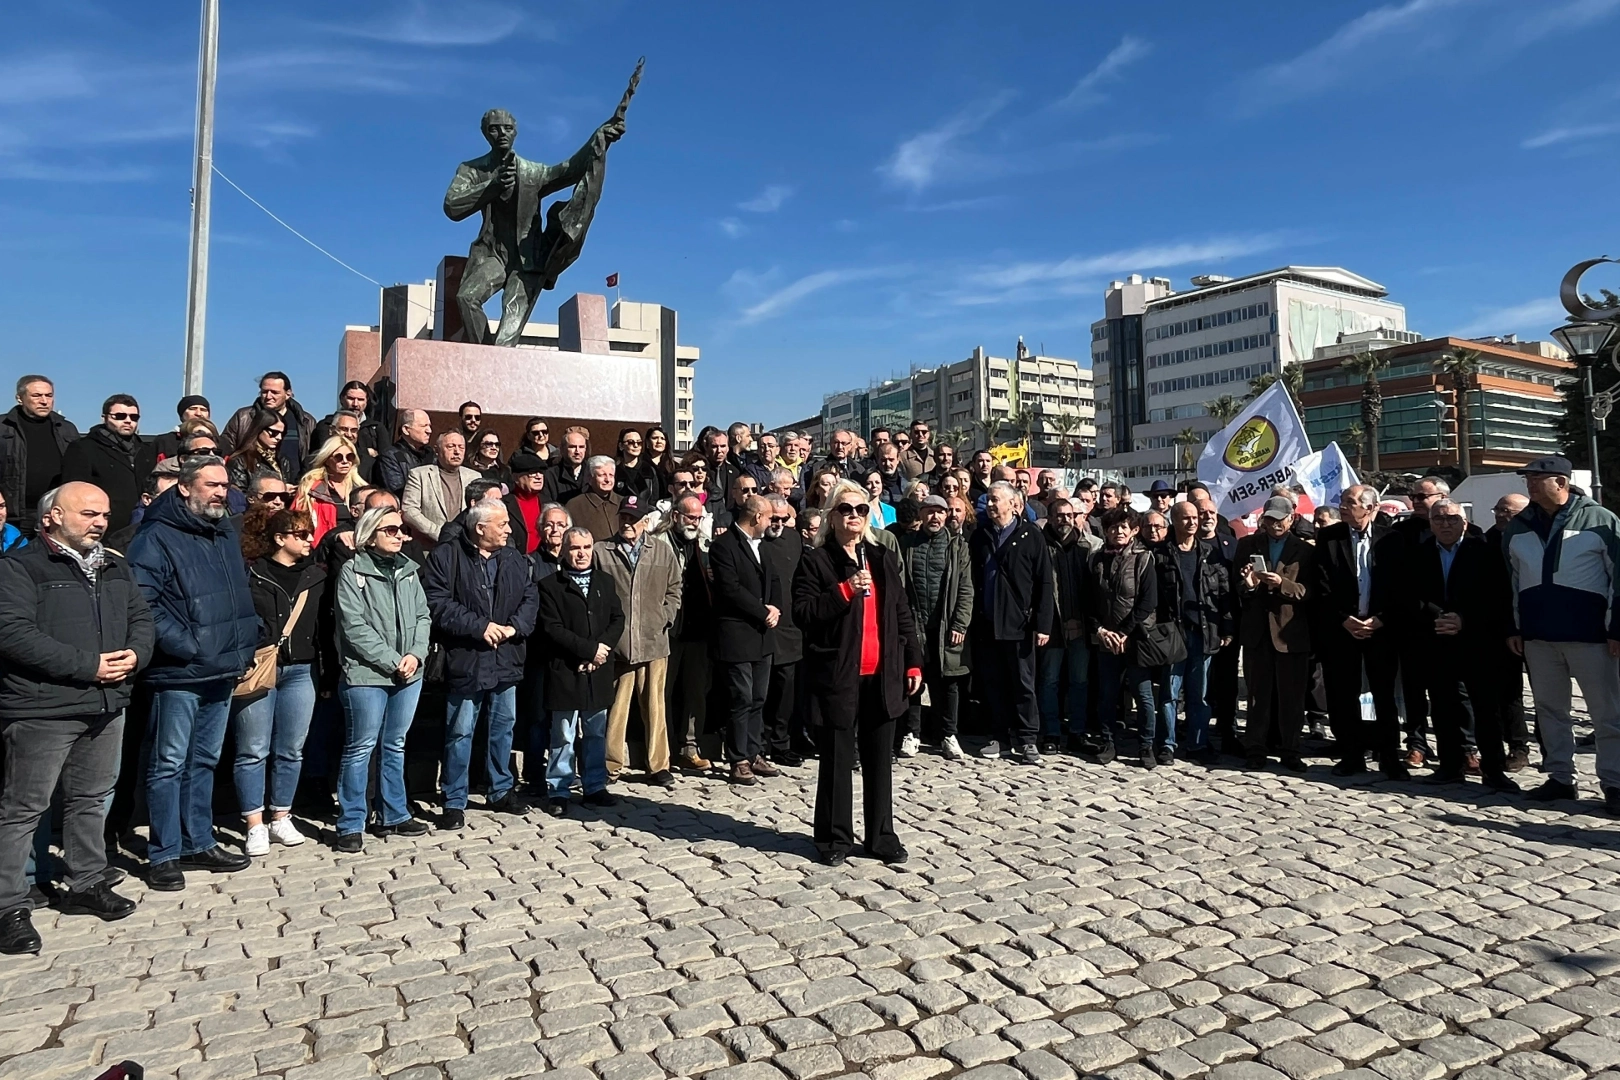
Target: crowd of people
(306, 592)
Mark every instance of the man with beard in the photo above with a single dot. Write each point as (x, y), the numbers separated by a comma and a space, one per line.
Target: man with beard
(780, 549)
(939, 586)
(187, 560)
(686, 686)
(113, 457)
(979, 469)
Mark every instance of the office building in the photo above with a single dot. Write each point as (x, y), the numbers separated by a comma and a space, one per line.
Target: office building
(1159, 356)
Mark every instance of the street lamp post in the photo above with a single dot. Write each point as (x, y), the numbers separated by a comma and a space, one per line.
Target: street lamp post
(1586, 342)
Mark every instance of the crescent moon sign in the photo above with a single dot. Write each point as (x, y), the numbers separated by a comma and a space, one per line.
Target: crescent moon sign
(1569, 293)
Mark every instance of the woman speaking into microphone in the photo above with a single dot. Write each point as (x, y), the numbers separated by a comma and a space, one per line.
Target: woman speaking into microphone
(864, 663)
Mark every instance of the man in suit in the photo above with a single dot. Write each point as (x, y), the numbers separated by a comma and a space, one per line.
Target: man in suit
(723, 471)
(567, 477)
(1357, 567)
(781, 551)
(436, 493)
(743, 620)
(1457, 588)
(1221, 690)
(1276, 635)
(1507, 664)
(1012, 619)
(506, 190)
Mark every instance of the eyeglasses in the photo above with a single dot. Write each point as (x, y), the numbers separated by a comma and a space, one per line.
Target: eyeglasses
(302, 534)
(342, 457)
(390, 530)
(748, 490)
(200, 451)
(538, 431)
(632, 442)
(123, 416)
(780, 520)
(273, 433)
(273, 496)
(496, 443)
(856, 511)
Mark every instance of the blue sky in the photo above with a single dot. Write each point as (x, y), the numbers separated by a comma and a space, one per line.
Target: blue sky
(827, 194)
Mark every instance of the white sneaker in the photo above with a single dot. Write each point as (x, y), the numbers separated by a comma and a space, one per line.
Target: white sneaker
(951, 748)
(909, 745)
(283, 831)
(258, 840)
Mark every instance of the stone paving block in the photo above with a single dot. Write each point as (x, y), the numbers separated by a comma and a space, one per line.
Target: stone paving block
(691, 1057)
(1093, 1053)
(977, 1050)
(1300, 1062)
(810, 1062)
(1588, 1051)
(507, 1063)
(1353, 1042)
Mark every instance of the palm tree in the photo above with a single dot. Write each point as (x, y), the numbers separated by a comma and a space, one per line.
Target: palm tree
(1185, 440)
(1066, 425)
(958, 439)
(1027, 421)
(1293, 377)
(991, 427)
(1224, 408)
(1356, 437)
(1368, 365)
(1463, 367)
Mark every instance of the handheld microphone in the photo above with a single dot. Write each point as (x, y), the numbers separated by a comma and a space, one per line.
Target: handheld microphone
(860, 564)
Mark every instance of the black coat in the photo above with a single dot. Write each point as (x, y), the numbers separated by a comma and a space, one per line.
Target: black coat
(1021, 602)
(741, 589)
(563, 482)
(100, 458)
(693, 622)
(314, 633)
(1338, 593)
(463, 604)
(1213, 588)
(54, 626)
(832, 624)
(1477, 590)
(718, 483)
(14, 463)
(782, 557)
(573, 625)
(395, 464)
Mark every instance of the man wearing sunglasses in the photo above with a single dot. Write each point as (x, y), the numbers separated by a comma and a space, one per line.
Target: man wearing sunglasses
(114, 457)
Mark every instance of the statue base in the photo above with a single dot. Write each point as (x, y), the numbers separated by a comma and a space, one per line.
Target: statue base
(601, 391)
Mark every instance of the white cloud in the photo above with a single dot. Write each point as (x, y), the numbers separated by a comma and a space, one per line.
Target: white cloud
(418, 22)
(768, 201)
(26, 80)
(918, 159)
(779, 301)
(1121, 56)
(732, 227)
(1159, 256)
(1335, 58)
(1533, 317)
(1575, 133)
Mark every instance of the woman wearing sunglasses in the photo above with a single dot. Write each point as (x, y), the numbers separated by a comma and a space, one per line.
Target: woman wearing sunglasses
(864, 664)
(256, 455)
(323, 491)
(634, 473)
(537, 440)
(271, 729)
(383, 625)
(484, 458)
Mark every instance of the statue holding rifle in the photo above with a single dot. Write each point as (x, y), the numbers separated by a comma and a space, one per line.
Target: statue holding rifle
(516, 253)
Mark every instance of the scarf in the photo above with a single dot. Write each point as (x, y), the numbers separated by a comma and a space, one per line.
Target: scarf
(89, 562)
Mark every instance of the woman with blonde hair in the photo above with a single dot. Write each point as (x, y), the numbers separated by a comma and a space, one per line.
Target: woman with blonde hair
(323, 491)
(864, 664)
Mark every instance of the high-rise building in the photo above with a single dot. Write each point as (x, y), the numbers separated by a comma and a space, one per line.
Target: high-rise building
(968, 401)
(1160, 356)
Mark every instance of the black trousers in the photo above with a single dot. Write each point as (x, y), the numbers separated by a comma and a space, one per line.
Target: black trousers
(1462, 689)
(1009, 688)
(1510, 700)
(1277, 686)
(1414, 694)
(782, 709)
(873, 736)
(1221, 692)
(747, 685)
(1343, 661)
(944, 698)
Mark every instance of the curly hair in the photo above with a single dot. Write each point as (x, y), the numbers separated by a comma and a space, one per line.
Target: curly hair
(262, 524)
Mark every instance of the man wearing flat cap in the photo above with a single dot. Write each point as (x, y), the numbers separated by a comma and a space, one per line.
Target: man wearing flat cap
(1562, 552)
(1276, 575)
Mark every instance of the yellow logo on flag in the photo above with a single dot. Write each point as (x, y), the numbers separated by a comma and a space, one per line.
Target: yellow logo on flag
(1253, 447)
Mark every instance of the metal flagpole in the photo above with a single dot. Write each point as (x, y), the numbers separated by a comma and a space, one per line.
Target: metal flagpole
(201, 197)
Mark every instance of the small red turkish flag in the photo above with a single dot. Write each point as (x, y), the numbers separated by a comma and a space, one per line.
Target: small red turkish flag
(613, 281)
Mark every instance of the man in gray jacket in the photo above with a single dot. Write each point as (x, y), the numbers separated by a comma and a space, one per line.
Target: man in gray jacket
(939, 585)
(648, 578)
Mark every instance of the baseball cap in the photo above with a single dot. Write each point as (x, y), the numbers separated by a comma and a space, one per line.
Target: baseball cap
(1277, 508)
(1552, 465)
(936, 500)
(526, 461)
(634, 508)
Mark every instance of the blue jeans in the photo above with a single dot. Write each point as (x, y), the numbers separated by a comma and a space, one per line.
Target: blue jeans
(1112, 671)
(375, 716)
(188, 730)
(1055, 659)
(272, 730)
(1191, 677)
(591, 731)
(461, 717)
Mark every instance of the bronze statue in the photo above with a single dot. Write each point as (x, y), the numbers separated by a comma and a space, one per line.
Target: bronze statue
(514, 253)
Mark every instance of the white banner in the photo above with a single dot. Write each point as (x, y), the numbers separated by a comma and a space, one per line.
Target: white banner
(1325, 475)
(1255, 452)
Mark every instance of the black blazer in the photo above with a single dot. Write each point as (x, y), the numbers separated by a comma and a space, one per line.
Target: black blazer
(573, 626)
(1338, 592)
(782, 558)
(832, 632)
(741, 585)
(1477, 590)
(1022, 599)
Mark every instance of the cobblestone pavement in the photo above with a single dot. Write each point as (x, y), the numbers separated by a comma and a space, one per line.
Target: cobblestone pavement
(1065, 921)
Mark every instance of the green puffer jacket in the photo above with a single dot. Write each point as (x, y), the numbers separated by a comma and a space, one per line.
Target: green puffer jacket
(382, 618)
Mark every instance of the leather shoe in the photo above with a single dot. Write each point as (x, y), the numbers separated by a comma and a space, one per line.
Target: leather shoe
(165, 877)
(17, 933)
(557, 808)
(1395, 769)
(1518, 759)
(662, 778)
(695, 761)
(98, 900)
(835, 857)
(788, 758)
(1415, 759)
(1611, 801)
(1350, 766)
(1502, 782)
(349, 843)
(600, 798)
(1551, 791)
(1293, 763)
(215, 860)
(510, 803)
(893, 858)
(742, 773)
(451, 820)
(1471, 763)
(764, 768)
(408, 827)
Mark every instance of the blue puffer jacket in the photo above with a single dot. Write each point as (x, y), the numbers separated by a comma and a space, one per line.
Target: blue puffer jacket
(191, 572)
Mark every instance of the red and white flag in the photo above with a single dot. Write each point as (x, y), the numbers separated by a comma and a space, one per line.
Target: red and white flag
(613, 281)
